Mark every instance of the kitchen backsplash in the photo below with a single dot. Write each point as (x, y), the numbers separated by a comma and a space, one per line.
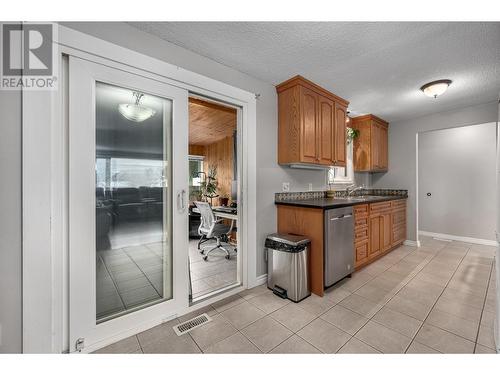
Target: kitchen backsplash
(279, 197)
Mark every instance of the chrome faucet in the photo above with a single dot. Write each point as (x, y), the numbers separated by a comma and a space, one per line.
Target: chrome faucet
(352, 188)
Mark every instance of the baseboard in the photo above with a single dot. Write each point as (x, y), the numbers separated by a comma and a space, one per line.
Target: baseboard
(412, 243)
(259, 280)
(479, 241)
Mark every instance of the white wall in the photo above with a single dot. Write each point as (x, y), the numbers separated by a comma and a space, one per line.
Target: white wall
(10, 222)
(402, 149)
(269, 174)
(457, 166)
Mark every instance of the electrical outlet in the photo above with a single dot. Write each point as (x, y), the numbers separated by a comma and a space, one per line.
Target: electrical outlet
(285, 187)
(310, 187)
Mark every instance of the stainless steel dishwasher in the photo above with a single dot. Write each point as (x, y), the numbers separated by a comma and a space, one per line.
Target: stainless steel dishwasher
(339, 244)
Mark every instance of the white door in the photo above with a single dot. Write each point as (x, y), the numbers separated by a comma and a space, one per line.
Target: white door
(128, 163)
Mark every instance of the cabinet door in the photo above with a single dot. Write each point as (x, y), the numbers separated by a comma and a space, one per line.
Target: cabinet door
(383, 144)
(375, 247)
(340, 136)
(309, 126)
(326, 130)
(385, 231)
(361, 252)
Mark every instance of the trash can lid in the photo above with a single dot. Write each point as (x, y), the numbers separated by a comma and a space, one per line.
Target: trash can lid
(286, 242)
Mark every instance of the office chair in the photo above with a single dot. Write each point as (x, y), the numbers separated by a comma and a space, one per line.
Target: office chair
(212, 229)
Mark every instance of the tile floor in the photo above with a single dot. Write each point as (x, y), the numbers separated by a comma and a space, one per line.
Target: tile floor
(438, 298)
(131, 276)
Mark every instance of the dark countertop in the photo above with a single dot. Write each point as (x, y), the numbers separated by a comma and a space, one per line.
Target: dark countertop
(328, 203)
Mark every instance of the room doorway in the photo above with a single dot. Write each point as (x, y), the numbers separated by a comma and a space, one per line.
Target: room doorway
(214, 256)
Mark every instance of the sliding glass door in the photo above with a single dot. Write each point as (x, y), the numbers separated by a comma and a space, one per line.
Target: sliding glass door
(127, 201)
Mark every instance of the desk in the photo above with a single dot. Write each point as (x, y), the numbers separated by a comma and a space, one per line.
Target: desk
(225, 214)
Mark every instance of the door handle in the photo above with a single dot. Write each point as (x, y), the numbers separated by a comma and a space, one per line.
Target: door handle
(340, 217)
(181, 203)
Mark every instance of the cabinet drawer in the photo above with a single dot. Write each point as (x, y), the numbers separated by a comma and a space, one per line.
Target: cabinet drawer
(397, 204)
(361, 234)
(361, 250)
(360, 210)
(399, 217)
(360, 223)
(380, 207)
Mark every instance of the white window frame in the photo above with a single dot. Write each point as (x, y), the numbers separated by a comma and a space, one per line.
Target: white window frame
(343, 182)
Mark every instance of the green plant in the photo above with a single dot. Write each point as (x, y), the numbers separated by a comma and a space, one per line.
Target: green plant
(351, 134)
(209, 185)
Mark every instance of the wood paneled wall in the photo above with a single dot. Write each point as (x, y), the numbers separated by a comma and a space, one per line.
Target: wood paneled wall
(197, 150)
(220, 154)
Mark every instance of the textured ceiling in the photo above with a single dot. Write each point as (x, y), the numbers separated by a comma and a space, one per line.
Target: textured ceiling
(378, 67)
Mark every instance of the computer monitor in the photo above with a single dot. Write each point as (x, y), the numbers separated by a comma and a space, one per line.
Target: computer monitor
(234, 190)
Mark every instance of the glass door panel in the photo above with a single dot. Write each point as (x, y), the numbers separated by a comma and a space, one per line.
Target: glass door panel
(133, 248)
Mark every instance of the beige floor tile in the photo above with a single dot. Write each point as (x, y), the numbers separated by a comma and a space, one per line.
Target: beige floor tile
(235, 344)
(243, 314)
(486, 337)
(316, 305)
(437, 279)
(454, 324)
(409, 307)
(266, 333)
(336, 294)
(443, 341)
(227, 303)
(355, 346)
(382, 338)
(375, 268)
(356, 281)
(157, 333)
(209, 310)
(128, 345)
(324, 336)
(463, 297)
(399, 322)
(481, 349)
(488, 318)
(419, 295)
(417, 348)
(254, 292)
(293, 317)
(361, 305)
(216, 330)
(268, 302)
(295, 345)
(172, 345)
(375, 294)
(456, 308)
(345, 319)
(388, 284)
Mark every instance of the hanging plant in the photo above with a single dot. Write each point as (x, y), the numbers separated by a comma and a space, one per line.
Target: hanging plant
(351, 134)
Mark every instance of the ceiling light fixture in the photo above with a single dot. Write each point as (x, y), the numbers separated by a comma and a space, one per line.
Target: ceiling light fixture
(436, 88)
(136, 112)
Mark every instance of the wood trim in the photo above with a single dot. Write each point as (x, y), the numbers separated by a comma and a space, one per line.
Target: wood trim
(299, 80)
(370, 117)
(307, 222)
(209, 104)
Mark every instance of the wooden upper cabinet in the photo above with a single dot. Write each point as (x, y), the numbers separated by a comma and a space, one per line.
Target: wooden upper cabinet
(371, 147)
(340, 135)
(311, 124)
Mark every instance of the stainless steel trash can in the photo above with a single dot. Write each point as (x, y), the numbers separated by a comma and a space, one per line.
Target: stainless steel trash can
(287, 266)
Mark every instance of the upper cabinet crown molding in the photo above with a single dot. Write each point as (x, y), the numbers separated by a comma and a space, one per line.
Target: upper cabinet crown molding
(371, 152)
(312, 125)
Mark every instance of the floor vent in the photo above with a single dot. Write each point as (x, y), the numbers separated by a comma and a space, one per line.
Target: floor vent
(191, 324)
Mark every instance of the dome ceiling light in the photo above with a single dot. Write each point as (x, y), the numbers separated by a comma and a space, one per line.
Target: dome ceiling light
(436, 88)
(136, 112)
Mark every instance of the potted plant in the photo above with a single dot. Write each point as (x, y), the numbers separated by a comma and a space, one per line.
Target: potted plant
(209, 184)
(352, 134)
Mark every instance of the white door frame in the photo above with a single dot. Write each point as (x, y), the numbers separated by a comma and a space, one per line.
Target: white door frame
(45, 140)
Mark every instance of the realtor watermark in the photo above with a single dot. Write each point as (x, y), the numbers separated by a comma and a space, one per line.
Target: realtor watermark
(29, 56)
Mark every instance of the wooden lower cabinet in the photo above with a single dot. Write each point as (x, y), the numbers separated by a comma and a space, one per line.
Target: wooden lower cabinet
(386, 229)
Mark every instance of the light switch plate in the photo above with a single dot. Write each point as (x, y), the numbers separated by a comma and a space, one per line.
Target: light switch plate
(285, 187)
